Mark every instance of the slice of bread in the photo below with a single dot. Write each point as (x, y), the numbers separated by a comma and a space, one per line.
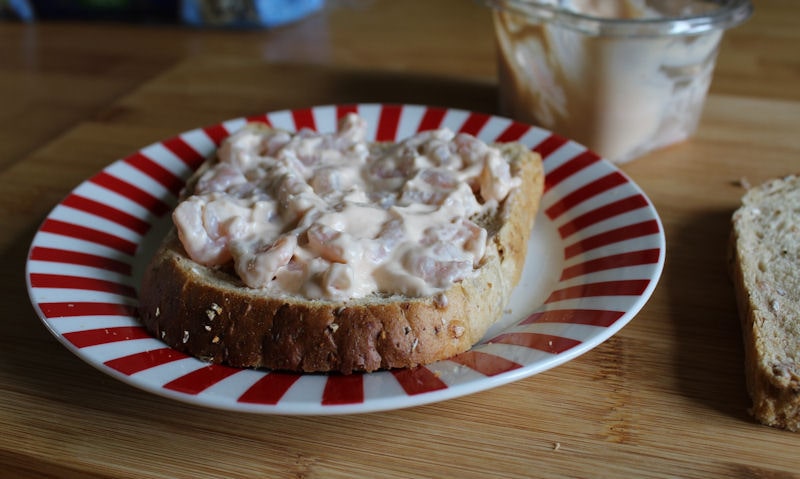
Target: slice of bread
(765, 266)
(208, 312)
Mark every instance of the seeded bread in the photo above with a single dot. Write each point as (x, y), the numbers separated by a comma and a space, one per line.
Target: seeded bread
(765, 266)
(208, 312)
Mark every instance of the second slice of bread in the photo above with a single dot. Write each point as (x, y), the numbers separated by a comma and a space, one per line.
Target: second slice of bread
(765, 265)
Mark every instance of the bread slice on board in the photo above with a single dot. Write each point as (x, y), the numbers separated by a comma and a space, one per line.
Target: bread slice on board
(209, 313)
(765, 266)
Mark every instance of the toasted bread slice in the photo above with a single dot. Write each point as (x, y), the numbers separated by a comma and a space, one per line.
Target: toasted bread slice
(765, 266)
(208, 312)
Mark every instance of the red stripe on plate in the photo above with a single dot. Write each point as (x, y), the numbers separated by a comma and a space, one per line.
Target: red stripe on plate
(609, 237)
(388, 121)
(104, 211)
(632, 258)
(549, 145)
(217, 133)
(592, 317)
(418, 380)
(55, 255)
(542, 342)
(304, 118)
(138, 362)
(343, 390)
(184, 151)
(269, 389)
(432, 119)
(133, 193)
(155, 171)
(93, 337)
(66, 309)
(565, 170)
(87, 234)
(475, 123)
(201, 379)
(513, 132)
(602, 213)
(343, 110)
(628, 287)
(259, 119)
(43, 280)
(484, 363)
(584, 193)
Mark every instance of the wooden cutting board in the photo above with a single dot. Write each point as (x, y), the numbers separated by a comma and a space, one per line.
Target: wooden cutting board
(665, 397)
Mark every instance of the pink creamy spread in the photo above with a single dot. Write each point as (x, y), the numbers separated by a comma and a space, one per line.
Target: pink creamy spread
(331, 216)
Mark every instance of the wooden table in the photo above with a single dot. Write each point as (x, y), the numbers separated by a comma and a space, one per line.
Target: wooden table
(665, 397)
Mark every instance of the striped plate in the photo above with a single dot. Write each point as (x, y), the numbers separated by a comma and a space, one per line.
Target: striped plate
(596, 254)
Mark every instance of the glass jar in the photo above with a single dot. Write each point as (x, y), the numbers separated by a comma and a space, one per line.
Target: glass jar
(623, 77)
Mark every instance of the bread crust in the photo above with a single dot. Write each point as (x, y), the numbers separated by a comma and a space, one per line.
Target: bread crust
(210, 314)
(769, 335)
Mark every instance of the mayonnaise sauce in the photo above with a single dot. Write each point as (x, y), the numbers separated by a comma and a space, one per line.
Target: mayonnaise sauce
(331, 216)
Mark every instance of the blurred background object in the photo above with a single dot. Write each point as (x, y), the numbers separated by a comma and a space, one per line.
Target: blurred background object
(19, 9)
(246, 14)
(199, 13)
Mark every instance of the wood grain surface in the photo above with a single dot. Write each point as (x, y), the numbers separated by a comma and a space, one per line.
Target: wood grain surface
(663, 398)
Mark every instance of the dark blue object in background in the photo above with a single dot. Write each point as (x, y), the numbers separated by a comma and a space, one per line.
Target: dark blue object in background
(246, 13)
(199, 13)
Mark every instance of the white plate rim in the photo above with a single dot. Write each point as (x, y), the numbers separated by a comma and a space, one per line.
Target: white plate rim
(580, 173)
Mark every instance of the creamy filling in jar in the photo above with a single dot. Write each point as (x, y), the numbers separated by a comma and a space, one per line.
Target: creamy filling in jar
(332, 216)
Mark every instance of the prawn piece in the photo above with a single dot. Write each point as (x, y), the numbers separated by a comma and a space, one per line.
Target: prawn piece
(258, 268)
(204, 229)
(495, 179)
(338, 280)
(328, 243)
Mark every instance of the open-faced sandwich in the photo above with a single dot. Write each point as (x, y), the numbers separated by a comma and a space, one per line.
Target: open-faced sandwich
(322, 252)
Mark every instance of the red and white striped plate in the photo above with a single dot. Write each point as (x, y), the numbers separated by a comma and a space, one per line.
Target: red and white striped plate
(596, 254)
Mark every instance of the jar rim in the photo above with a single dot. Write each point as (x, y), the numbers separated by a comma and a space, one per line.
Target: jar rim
(729, 13)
